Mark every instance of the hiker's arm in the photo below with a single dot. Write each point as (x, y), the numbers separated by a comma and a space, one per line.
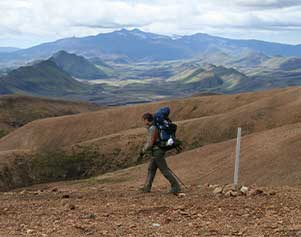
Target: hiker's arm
(151, 140)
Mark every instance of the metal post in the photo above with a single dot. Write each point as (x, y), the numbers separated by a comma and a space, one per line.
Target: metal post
(236, 171)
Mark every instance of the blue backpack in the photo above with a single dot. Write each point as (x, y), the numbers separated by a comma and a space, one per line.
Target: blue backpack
(167, 129)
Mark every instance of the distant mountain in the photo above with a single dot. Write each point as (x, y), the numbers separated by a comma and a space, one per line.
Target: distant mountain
(44, 78)
(283, 63)
(8, 49)
(249, 59)
(47, 79)
(211, 78)
(77, 66)
(142, 46)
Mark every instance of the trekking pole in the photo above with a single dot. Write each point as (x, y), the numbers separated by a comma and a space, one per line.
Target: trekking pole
(177, 178)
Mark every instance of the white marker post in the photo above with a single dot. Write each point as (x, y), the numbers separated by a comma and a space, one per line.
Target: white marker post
(236, 171)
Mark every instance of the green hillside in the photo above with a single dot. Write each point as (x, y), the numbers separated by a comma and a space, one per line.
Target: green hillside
(77, 66)
(44, 78)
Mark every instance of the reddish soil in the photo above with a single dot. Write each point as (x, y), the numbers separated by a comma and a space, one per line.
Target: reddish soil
(18, 110)
(98, 208)
(110, 205)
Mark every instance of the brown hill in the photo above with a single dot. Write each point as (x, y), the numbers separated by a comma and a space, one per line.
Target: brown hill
(253, 111)
(18, 110)
(111, 138)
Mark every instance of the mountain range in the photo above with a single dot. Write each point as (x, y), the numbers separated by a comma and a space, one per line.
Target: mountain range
(137, 45)
(69, 76)
(125, 67)
(8, 49)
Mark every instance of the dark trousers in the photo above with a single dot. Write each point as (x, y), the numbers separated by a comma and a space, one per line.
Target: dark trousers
(158, 162)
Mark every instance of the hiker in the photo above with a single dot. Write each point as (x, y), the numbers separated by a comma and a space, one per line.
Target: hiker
(157, 154)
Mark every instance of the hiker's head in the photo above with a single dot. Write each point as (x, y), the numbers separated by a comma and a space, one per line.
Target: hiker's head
(147, 119)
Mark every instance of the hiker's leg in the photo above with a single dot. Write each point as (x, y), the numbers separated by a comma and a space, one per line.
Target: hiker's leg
(162, 165)
(152, 169)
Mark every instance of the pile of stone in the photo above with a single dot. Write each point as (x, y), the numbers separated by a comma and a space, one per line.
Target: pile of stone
(229, 190)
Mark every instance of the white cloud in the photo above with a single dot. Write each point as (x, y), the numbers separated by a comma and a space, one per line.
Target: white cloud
(40, 20)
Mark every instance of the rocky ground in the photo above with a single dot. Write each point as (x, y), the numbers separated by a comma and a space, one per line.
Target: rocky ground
(114, 207)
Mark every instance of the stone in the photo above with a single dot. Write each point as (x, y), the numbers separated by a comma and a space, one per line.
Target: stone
(212, 186)
(244, 190)
(156, 225)
(29, 231)
(218, 190)
(227, 188)
(181, 195)
(71, 207)
(272, 193)
(66, 196)
(254, 192)
(232, 194)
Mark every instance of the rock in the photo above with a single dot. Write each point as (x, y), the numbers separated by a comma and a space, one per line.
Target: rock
(244, 190)
(181, 195)
(168, 220)
(272, 193)
(232, 194)
(184, 213)
(213, 186)
(254, 192)
(37, 193)
(66, 196)
(156, 225)
(29, 231)
(71, 206)
(54, 190)
(218, 190)
(227, 188)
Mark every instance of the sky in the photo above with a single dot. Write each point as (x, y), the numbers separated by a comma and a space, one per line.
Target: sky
(24, 23)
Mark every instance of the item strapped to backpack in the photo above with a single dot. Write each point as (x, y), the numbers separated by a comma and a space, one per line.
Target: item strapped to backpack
(167, 130)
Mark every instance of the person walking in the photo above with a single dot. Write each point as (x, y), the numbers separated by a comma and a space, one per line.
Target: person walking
(157, 156)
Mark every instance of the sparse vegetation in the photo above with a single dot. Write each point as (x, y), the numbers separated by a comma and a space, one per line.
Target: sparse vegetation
(3, 133)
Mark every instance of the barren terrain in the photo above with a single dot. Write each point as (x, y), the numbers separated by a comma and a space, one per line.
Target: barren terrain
(109, 203)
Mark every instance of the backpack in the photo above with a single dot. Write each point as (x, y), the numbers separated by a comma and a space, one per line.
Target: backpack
(167, 130)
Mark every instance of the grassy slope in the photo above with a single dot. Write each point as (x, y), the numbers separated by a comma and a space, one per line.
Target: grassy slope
(77, 66)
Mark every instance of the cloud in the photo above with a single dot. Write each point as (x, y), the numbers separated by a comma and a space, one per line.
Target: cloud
(268, 3)
(51, 19)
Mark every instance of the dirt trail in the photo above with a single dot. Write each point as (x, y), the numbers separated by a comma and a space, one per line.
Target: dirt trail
(99, 210)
